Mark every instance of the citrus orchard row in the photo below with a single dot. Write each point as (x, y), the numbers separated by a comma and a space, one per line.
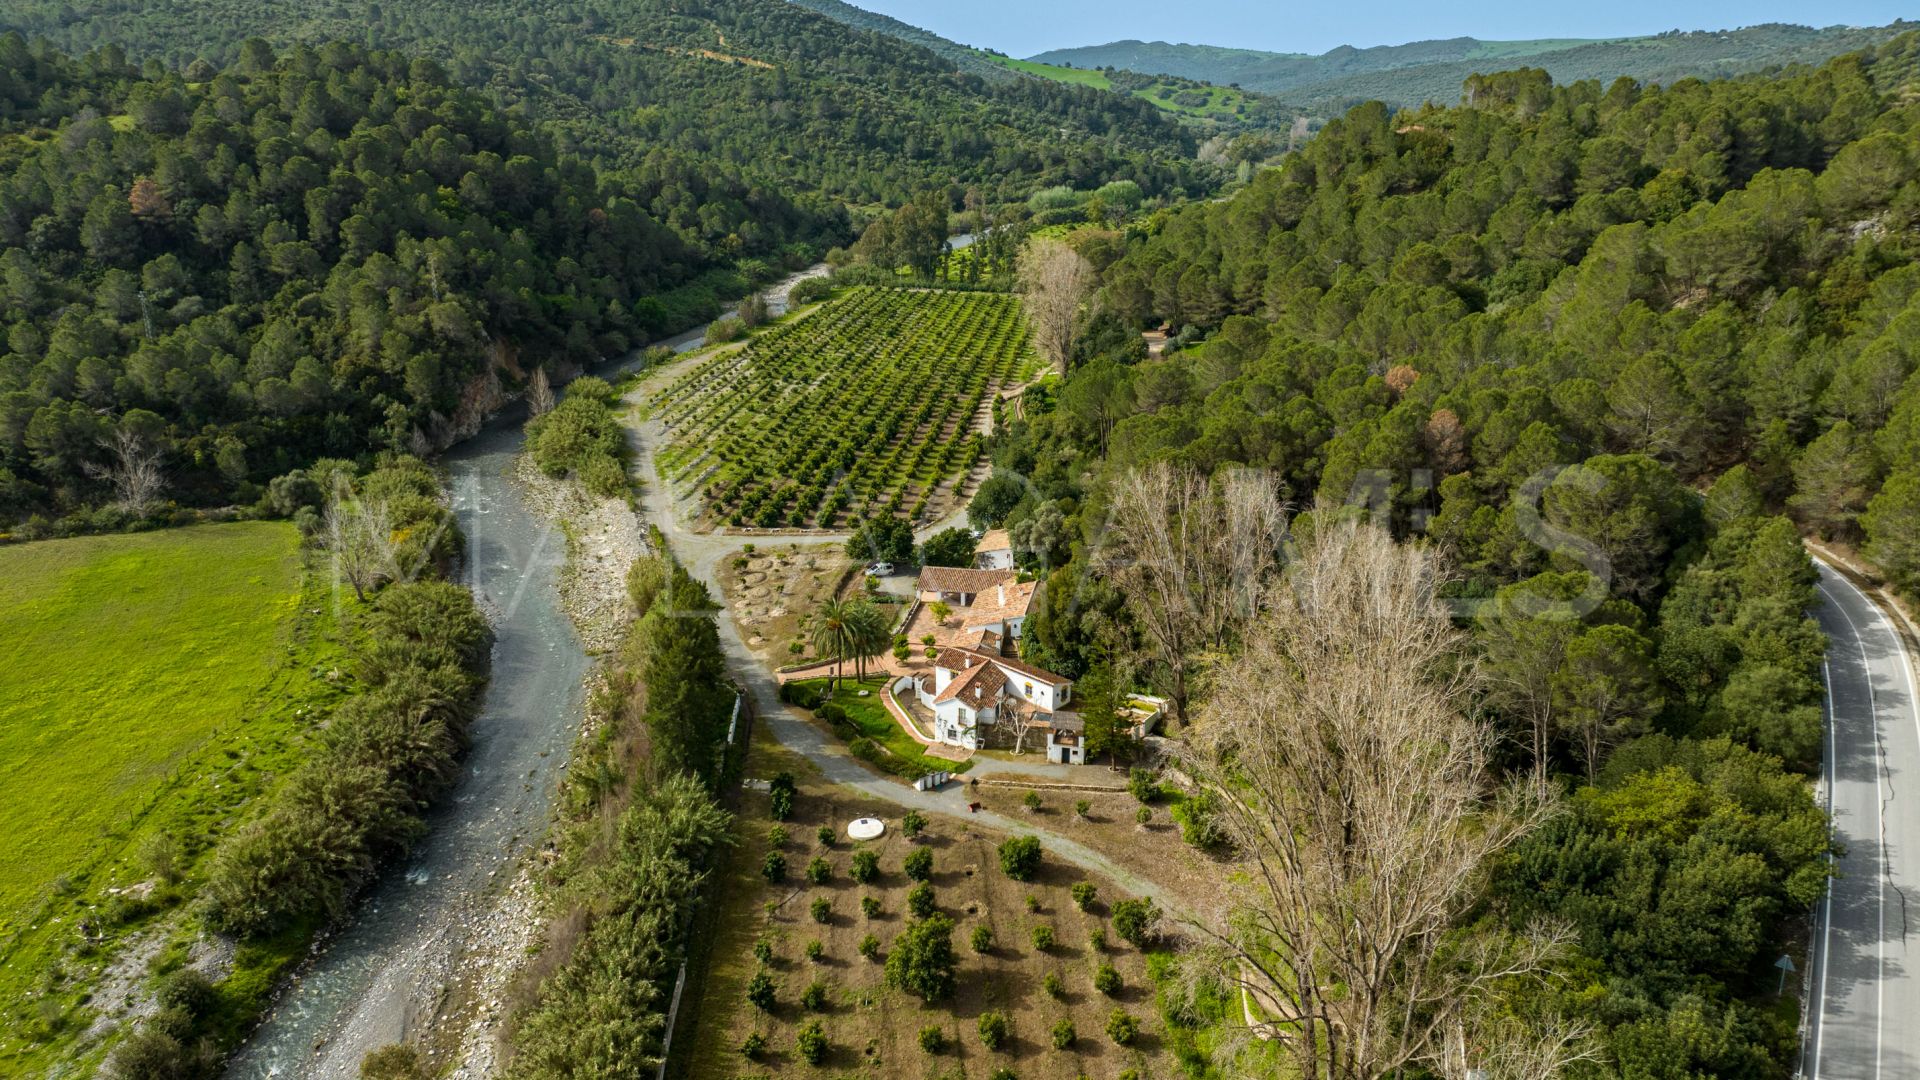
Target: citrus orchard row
(863, 408)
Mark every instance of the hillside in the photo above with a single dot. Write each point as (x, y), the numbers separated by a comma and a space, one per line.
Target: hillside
(1405, 75)
(802, 112)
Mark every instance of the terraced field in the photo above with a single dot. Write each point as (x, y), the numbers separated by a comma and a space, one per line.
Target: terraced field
(876, 404)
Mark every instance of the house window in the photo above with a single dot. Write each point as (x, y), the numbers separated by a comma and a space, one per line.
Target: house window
(1029, 690)
(964, 714)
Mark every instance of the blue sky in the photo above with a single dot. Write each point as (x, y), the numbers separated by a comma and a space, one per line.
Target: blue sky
(1024, 27)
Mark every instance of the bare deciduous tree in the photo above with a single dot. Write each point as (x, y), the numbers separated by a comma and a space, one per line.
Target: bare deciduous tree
(539, 393)
(1349, 777)
(1056, 282)
(359, 534)
(1192, 557)
(134, 472)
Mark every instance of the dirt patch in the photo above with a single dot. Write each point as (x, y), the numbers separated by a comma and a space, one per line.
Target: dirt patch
(1156, 852)
(876, 1029)
(771, 591)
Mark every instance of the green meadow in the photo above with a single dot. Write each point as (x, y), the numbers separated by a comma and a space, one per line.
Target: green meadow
(152, 684)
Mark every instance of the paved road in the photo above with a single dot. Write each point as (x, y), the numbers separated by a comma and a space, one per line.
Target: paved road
(1864, 1009)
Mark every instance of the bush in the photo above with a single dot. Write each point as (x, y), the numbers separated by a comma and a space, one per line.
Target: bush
(1052, 984)
(760, 991)
(1122, 1028)
(1083, 893)
(865, 867)
(814, 997)
(920, 900)
(1002, 1073)
(819, 871)
(777, 836)
(1043, 937)
(1063, 1035)
(825, 836)
(922, 960)
(994, 1029)
(1033, 904)
(780, 795)
(723, 330)
(1199, 819)
(815, 951)
(1142, 784)
(1097, 939)
(870, 907)
(1031, 801)
(1143, 816)
(1107, 980)
(774, 867)
(808, 290)
(753, 1045)
(763, 950)
(870, 947)
(1134, 920)
(822, 909)
(982, 938)
(933, 1039)
(1020, 857)
(812, 1046)
(1082, 808)
(395, 1062)
(919, 864)
(913, 824)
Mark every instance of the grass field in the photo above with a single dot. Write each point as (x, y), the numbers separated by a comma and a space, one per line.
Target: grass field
(873, 404)
(870, 716)
(155, 682)
(1078, 76)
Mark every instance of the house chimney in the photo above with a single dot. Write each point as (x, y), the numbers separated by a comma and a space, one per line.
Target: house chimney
(1002, 587)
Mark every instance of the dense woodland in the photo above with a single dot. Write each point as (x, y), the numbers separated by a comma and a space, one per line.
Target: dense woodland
(1610, 349)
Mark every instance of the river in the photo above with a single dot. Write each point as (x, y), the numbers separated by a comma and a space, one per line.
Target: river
(376, 978)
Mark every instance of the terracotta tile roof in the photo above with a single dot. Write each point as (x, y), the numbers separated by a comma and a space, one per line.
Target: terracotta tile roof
(959, 579)
(994, 540)
(978, 688)
(998, 604)
(1027, 669)
(956, 659)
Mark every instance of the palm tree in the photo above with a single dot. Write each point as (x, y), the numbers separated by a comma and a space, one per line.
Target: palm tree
(834, 635)
(869, 628)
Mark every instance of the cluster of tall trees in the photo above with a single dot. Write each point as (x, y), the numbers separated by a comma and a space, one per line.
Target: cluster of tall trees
(641, 827)
(291, 258)
(1609, 352)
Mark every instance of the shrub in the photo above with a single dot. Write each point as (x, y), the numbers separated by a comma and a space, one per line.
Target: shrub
(725, 329)
(1031, 801)
(1052, 984)
(919, 864)
(822, 909)
(816, 951)
(1097, 939)
(1122, 1028)
(1033, 904)
(1083, 893)
(1199, 819)
(776, 836)
(1143, 816)
(866, 866)
(933, 1039)
(760, 991)
(922, 960)
(1133, 920)
(920, 900)
(913, 824)
(780, 795)
(763, 950)
(1043, 937)
(812, 1046)
(870, 947)
(870, 906)
(1002, 1073)
(819, 870)
(1063, 1035)
(982, 938)
(774, 867)
(825, 836)
(1142, 784)
(1107, 980)
(1020, 857)
(994, 1029)
(753, 1045)
(814, 997)
(1082, 807)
